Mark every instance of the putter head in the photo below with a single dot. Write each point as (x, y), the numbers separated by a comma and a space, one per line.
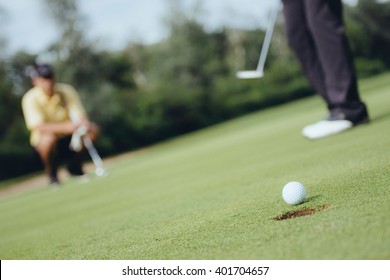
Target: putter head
(251, 74)
(100, 172)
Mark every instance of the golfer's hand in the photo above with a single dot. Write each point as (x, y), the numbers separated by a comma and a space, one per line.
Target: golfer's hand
(69, 128)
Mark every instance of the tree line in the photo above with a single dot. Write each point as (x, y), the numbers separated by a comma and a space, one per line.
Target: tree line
(143, 94)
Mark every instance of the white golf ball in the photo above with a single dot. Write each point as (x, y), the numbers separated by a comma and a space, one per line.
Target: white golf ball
(294, 193)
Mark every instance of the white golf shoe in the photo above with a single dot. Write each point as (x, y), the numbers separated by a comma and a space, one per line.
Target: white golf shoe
(326, 128)
(335, 123)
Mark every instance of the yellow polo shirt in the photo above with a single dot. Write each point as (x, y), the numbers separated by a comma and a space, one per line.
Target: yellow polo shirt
(39, 108)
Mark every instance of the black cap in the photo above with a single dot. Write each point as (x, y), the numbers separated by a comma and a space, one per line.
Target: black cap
(45, 71)
(40, 70)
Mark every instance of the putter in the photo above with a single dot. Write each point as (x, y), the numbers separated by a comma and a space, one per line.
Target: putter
(258, 73)
(96, 159)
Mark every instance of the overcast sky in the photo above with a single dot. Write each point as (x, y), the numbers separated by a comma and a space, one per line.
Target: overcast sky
(117, 22)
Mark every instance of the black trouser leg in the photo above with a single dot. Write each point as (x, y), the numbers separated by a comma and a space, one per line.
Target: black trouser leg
(315, 30)
(302, 43)
(73, 160)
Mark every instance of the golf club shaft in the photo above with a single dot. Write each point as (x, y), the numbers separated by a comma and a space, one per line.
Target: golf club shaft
(97, 160)
(267, 39)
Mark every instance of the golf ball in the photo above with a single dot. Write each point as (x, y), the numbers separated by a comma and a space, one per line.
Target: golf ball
(294, 193)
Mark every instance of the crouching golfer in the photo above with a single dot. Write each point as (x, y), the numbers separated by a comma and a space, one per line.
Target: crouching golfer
(57, 120)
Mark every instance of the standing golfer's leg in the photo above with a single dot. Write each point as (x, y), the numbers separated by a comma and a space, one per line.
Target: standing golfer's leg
(315, 30)
(325, 18)
(302, 43)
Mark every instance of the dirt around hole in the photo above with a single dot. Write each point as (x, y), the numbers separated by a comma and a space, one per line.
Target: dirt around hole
(300, 213)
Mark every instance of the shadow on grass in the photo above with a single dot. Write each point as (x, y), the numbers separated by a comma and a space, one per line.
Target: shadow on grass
(312, 198)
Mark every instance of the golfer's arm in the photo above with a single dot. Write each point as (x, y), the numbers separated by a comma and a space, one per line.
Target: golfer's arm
(66, 127)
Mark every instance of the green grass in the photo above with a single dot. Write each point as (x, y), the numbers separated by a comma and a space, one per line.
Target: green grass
(214, 194)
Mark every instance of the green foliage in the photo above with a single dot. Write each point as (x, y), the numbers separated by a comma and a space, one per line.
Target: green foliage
(369, 67)
(17, 157)
(366, 27)
(70, 23)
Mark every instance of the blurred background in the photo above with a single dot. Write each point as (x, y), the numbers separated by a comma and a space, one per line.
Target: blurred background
(149, 70)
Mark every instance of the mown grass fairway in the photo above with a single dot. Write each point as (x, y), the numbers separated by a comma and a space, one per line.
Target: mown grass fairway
(214, 194)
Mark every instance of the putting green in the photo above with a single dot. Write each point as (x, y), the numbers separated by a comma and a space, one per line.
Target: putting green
(216, 194)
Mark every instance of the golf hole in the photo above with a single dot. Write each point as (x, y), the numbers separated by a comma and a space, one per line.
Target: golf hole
(300, 213)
